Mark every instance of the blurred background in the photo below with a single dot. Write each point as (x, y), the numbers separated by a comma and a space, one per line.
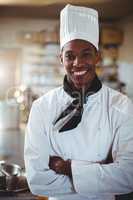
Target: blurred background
(29, 59)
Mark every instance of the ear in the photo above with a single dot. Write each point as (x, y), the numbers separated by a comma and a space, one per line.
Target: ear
(98, 57)
(61, 58)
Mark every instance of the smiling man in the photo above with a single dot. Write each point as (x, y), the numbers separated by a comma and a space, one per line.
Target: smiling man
(79, 58)
(79, 139)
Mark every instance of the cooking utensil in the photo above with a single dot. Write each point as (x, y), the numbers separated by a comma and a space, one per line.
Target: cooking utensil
(15, 177)
(10, 169)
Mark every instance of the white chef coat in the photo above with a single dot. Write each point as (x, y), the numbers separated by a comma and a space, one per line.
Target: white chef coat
(107, 124)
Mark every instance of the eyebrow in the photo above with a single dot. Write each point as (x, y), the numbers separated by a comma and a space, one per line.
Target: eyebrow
(68, 52)
(88, 49)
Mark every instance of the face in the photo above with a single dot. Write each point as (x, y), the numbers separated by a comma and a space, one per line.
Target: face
(79, 58)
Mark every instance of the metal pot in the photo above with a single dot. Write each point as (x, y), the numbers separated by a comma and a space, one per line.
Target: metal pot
(15, 179)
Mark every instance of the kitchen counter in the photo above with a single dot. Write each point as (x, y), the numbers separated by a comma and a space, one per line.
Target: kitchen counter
(29, 196)
(22, 196)
(125, 197)
(19, 196)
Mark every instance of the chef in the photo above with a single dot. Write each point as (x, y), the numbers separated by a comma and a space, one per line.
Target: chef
(79, 138)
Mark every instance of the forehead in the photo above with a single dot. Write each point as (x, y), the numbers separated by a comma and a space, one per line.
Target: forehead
(78, 46)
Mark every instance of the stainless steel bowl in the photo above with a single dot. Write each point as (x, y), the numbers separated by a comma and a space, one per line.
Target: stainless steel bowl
(10, 169)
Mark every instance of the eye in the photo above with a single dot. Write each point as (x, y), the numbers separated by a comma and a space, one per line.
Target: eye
(87, 54)
(70, 57)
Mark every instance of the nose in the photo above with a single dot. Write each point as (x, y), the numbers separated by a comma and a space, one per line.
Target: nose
(77, 62)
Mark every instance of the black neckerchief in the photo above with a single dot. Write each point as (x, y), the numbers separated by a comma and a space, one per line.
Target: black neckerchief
(72, 115)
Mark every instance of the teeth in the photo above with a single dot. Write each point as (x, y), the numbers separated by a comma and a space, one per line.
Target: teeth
(79, 73)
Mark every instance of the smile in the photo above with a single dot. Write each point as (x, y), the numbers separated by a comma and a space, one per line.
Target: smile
(80, 73)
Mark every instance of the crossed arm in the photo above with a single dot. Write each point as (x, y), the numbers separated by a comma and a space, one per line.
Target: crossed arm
(63, 167)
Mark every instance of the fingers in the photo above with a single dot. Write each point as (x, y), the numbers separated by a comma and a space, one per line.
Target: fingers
(60, 166)
(56, 163)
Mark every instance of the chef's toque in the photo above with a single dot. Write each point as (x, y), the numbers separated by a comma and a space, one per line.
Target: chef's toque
(79, 23)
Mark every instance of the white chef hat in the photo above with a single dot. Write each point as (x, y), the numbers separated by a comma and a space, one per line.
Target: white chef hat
(78, 22)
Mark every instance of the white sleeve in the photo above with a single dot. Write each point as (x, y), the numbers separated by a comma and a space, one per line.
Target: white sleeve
(41, 180)
(115, 178)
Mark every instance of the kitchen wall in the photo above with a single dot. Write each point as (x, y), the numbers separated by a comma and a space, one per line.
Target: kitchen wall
(11, 31)
(11, 64)
(11, 27)
(126, 54)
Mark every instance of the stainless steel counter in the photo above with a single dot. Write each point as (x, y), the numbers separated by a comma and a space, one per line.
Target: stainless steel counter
(19, 196)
